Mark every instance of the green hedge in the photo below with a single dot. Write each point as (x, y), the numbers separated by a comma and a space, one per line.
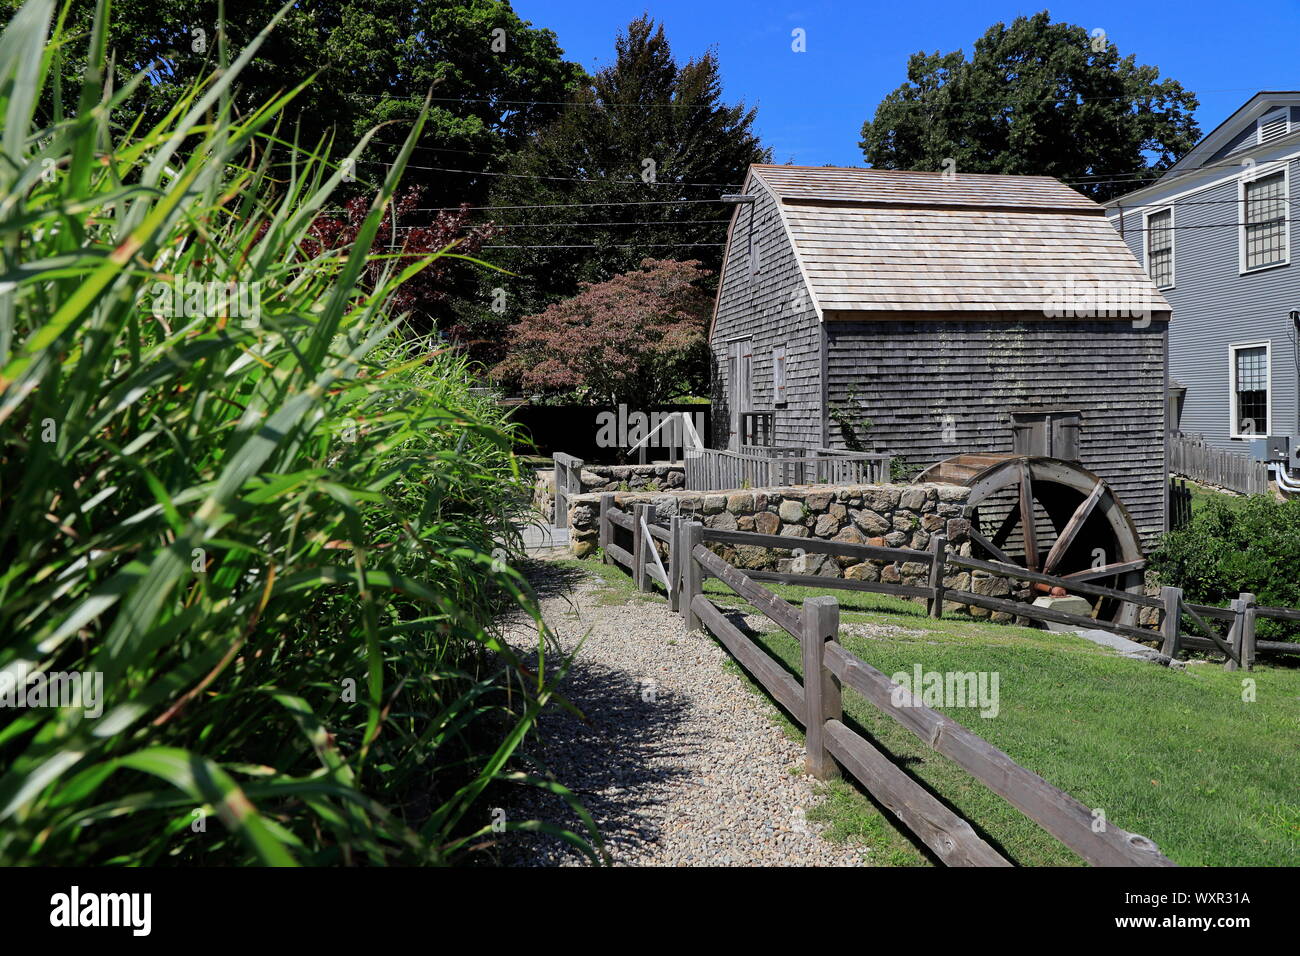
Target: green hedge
(1253, 546)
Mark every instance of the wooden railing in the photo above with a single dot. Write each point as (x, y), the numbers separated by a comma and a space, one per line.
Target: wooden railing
(568, 482)
(1192, 458)
(713, 469)
(815, 701)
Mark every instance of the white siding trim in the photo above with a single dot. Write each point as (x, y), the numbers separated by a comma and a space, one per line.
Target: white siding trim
(1232, 385)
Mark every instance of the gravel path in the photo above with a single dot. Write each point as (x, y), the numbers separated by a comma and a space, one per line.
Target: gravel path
(679, 763)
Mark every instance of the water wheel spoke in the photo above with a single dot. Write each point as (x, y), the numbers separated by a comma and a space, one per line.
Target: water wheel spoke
(1008, 525)
(1072, 528)
(994, 551)
(1027, 517)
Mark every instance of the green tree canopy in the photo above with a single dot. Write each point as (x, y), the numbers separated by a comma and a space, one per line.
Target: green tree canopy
(496, 79)
(1039, 98)
(647, 130)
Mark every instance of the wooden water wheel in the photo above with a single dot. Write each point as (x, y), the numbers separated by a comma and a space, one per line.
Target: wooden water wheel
(1051, 516)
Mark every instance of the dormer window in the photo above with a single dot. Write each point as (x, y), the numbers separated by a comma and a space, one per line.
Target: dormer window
(1273, 126)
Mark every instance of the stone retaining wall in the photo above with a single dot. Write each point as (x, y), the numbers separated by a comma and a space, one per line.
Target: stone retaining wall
(893, 516)
(608, 478)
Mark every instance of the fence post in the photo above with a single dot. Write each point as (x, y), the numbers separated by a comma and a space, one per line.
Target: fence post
(692, 533)
(1248, 631)
(638, 546)
(675, 563)
(939, 552)
(606, 527)
(1236, 634)
(821, 690)
(1173, 600)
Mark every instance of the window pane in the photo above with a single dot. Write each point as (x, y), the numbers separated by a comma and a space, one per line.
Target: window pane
(1252, 391)
(1265, 221)
(1160, 248)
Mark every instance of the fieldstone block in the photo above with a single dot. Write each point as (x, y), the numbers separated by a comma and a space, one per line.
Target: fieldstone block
(958, 530)
(583, 547)
(913, 499)
(767, 523)
(722, 521)
(740, 503)
(818, 501)
(889, 574)
(895, 539)
(794, 531)
(837, 511)
(791, 511)
(952, 492)
(714, 503)
(882, 499)
(932, 523)
(866, 571)
(870, 522)
(826, 526)
(745, 523)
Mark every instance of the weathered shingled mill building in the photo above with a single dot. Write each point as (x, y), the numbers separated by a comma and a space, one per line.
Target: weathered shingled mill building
(966, 324)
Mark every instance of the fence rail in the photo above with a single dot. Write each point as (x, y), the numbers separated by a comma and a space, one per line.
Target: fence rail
(814, 700)
(714, 469)
(1192, 458)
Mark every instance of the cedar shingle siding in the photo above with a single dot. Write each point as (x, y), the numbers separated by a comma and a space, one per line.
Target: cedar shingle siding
(778, 313)
(944, 317)
(906, 377)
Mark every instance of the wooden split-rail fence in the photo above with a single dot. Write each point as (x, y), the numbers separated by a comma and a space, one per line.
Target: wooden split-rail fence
(827, 667)
(816, 702)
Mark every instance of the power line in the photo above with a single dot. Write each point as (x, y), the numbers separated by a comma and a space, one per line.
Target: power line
(617, 245)
(567, 179)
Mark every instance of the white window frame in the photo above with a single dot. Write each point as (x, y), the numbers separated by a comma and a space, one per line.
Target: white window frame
(1233, 347)
(1262, 172)
(1173, 242)
(1260, 123)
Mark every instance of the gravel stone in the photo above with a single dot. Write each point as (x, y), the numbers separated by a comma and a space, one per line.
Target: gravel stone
(679, 763)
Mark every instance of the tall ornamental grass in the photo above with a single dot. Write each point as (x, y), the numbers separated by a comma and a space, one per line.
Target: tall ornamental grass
(230, 491)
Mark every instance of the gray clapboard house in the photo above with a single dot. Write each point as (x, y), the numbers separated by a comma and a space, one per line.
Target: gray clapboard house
(1214, 232)
(929, 316)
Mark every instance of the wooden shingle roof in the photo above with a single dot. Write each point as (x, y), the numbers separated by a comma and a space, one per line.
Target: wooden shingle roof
(872, 240)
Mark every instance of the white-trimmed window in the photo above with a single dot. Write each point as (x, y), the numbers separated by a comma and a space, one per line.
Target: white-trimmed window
(1160, 247)
(1265, 240)
(1248, 389)
(1273, 126)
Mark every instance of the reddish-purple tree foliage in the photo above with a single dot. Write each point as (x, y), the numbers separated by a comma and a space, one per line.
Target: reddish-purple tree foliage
(639, 338)
(421, 294)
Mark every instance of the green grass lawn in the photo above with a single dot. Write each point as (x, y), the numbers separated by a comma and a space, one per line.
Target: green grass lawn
(1202, 495)
(1173, 754)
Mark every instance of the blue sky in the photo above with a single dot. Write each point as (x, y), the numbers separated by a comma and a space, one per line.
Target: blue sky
(811, 105)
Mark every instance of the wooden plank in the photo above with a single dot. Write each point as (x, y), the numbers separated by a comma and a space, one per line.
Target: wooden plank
(1208, 631)
(1172, 600)
(1070, 584)
(656, 574)
(692, 534)
(1027, 517)
(951, 838)
(988, 546)
(1072, 528)
(1248, 639)
(821, 691)
(658, 532)
(1278, 613)
(675, 564)
(606, 529)
(1278, 647)
(621, 518)
(777, 681)
(1053, 809)
(939, 554)
(840, 584)
(620, 555)
(816, 545)
(783, 613)
(1049, 614)
(638, 546)
(1106, 570)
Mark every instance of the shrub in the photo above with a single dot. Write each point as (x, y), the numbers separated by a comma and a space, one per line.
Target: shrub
(1223, 551)
(265, 521)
